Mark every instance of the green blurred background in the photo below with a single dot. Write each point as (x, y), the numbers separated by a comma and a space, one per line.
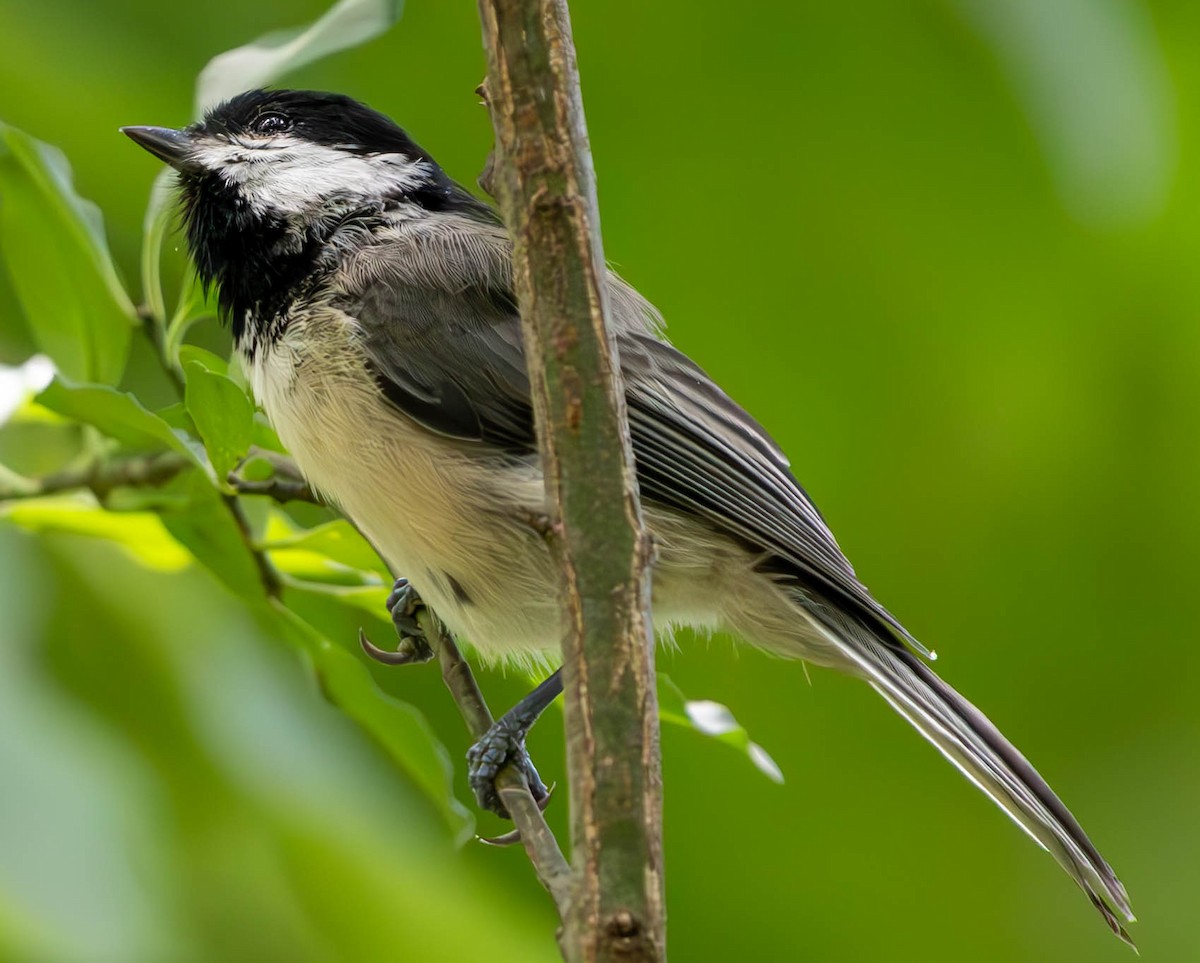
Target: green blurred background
(944, 250)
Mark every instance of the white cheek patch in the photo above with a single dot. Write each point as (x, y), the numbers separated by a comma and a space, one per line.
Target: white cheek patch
(292, 176)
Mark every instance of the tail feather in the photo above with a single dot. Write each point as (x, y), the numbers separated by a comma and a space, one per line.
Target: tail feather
(977, 748)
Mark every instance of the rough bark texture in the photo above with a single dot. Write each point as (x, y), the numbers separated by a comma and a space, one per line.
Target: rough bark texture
(543, 179)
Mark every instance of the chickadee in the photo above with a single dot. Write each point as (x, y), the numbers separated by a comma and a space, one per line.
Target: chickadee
(372, 306)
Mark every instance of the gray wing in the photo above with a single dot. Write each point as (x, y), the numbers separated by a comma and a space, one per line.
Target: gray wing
(698, 451)
(454, 362)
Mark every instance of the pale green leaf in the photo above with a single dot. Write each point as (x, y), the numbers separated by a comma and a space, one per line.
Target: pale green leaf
(367, 599)
(141, 533)
(115, 413)
(272, 55)
(195, 304)
(53, 241)
(154, 229)
(714, 720)
(314, 567)
(337, 540)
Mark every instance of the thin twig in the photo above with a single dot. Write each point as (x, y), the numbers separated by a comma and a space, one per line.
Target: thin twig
(100, 476)
(539, 842)
(286, 483)
(281, 490)
(268, 575)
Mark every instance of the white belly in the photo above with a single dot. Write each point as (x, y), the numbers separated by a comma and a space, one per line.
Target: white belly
(451, 519)
(439, 516)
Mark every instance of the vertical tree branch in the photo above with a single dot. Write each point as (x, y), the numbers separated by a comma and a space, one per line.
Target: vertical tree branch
(545, 185)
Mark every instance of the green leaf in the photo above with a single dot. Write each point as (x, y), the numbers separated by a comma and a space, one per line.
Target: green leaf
(363, 599)
(213, 362)
(117, 414)
(222, 413)
(256, 468)
(317, 569)
(715, 720)
(141, 533)
(193, 297)
(194, 306)
(208, 528)
(274, 54)
(176, 415)
(154, 229)
(399, 728)
(264, 434)
(58, 259)
(62, 763)
(337, 540)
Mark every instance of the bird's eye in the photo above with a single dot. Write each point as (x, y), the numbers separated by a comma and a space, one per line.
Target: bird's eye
(271, 123)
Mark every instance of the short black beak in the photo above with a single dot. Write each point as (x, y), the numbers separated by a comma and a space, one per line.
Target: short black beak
(172, 146)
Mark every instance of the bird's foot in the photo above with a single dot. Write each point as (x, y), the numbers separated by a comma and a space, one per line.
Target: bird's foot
(404, 605)
(502, 745)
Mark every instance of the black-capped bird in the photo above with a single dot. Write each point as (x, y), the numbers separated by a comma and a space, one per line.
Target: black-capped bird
(372, 305)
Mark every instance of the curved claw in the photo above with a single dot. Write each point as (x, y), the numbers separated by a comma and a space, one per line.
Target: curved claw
(403, 604)
(510, 838)
(513, 836)
(411, 651)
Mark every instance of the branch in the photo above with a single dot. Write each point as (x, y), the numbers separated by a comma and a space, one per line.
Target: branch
(539, 842)
(102, 475)
(99, 476)
(543, 179)
(286, 483)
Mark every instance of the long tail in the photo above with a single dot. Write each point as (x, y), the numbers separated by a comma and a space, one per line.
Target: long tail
(976, 747)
